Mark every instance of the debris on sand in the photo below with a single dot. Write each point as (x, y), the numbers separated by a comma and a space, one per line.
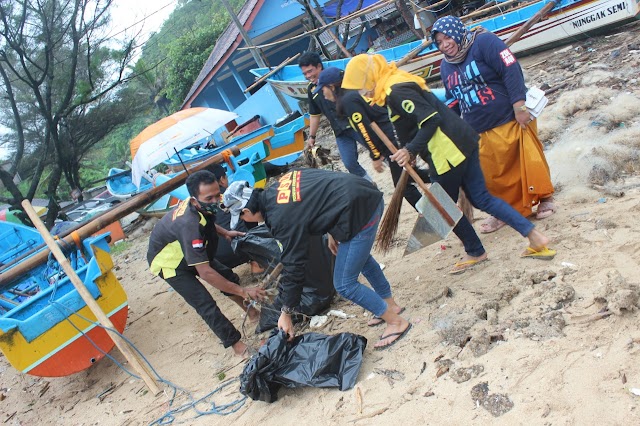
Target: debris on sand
(497, 404)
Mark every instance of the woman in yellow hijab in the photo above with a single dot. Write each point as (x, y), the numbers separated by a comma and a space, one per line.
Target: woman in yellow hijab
(426, 127)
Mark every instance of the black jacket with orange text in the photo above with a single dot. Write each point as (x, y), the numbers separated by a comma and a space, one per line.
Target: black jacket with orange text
(309, 202)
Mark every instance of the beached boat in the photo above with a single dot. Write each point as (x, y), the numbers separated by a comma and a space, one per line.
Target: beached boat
(283, 144)
(120, 185)
(568, 21)
(248, 165)
(46, 329)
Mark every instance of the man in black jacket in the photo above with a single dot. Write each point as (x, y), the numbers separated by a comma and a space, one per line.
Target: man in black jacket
(315, 202)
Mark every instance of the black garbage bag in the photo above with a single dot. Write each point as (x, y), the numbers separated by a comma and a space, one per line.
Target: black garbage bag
(318, 290)
(259, 245)
(312, 359)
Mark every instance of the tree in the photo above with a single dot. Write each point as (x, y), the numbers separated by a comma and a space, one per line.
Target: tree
(60, 72)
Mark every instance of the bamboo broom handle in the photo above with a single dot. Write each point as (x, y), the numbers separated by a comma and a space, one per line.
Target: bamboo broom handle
(415, 176)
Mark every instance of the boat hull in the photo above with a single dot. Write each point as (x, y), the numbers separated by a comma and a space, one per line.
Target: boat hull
(573, 19)
(53, 333)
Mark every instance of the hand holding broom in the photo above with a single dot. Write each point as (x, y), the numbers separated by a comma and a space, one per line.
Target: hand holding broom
(389, 224)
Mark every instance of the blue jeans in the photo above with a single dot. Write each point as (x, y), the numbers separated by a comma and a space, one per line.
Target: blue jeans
(354, 257)
(348, 147)
(468, 175)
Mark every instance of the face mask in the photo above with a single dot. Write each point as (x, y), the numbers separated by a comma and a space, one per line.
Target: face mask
(212, 208)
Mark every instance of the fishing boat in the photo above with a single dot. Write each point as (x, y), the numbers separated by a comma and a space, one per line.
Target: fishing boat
(284, 144)
(248, 165)
(120, 185)
(46, 329)
(569, 20)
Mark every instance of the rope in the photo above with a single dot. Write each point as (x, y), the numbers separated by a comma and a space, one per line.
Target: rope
(169, 416)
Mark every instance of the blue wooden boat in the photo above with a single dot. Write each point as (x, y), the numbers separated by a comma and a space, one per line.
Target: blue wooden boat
(283, 145)
(46, 329)
(568, 21)
(120, 185)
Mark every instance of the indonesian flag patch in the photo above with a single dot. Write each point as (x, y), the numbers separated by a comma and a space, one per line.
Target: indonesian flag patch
(197, 244)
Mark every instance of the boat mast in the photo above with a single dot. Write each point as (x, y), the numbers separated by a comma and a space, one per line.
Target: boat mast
(256, 53)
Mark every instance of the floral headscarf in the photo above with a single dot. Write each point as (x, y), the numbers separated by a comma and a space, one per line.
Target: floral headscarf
(453, 27)
(373, 73)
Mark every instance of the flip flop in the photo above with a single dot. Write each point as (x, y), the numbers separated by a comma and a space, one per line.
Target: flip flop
(400, 335)
(461, 267)
(542, 254)
(380, 320)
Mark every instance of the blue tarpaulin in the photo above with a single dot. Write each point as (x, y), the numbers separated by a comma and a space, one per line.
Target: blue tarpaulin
(348, 6)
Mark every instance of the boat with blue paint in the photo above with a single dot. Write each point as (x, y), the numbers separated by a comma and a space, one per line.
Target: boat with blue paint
(569, 20)
(46, 329)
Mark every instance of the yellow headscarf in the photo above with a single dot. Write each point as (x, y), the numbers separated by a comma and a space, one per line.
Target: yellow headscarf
(372, 72)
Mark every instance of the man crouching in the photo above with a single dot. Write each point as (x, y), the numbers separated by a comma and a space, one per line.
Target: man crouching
(182, 247)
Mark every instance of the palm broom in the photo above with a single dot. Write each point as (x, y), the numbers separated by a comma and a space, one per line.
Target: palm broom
(389, 223)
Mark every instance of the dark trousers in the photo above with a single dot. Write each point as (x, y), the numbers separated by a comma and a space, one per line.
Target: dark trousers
(187, 285)
(468, 175)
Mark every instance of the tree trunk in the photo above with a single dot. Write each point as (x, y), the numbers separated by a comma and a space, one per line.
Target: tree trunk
(54, 207)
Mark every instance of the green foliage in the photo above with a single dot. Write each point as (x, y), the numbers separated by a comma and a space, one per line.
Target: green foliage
(120, 247)
(187, 56)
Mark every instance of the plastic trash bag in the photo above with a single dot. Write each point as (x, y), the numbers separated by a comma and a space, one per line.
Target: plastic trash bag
(312, 359)
(317, 292)
(259, 245)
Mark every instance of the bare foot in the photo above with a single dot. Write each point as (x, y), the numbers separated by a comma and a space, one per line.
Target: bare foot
(239, 348)
(537, 240)
(242, 350)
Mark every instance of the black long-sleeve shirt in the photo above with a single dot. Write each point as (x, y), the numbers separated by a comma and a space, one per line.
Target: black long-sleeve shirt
(309, 202)
(427, 127)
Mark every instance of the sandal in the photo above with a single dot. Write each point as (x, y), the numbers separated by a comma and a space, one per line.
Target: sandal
(376, 320)
(546, 208)
(491, 224)
(461, 267)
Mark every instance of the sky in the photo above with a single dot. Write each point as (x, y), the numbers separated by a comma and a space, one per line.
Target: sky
(144, 15)
(128, 17)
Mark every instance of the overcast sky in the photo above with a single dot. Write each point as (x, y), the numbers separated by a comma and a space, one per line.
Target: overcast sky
(145, 15)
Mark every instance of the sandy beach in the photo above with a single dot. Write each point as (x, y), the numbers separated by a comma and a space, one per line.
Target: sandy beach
(513, 341)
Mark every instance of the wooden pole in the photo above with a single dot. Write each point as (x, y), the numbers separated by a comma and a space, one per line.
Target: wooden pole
(331, 34)
(422, 27)
(409, 56)
(487, 10)
(99, 222)
(124, 347)
(531, 22)
(273, 71)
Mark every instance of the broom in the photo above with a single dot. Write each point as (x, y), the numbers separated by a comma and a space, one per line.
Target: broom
(388, 231)
(389, 223)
